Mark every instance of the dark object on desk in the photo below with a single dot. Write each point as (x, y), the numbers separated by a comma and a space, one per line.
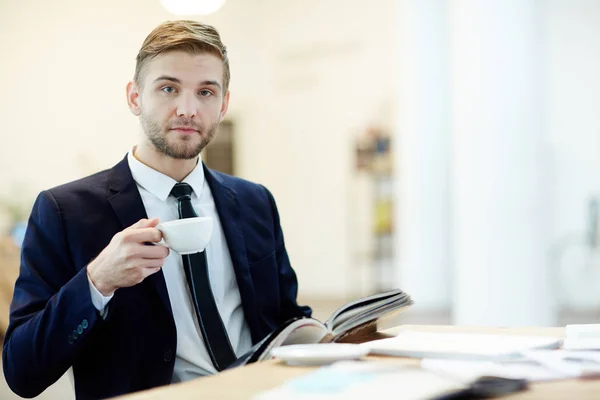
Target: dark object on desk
(486, 387)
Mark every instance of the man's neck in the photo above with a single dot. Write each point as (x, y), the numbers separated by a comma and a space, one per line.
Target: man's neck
(177, 169)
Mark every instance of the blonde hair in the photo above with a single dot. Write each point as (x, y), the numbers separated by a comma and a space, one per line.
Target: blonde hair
(183, 35)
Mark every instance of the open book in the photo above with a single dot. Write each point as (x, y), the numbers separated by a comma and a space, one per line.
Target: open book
(359, 317)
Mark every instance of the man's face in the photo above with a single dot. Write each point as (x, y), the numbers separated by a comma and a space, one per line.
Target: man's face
(181, 102)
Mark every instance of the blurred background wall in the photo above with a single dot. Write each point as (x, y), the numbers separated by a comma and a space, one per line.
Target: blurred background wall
(450, 148)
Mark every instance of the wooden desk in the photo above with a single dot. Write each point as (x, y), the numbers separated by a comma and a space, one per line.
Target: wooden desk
(245, 382)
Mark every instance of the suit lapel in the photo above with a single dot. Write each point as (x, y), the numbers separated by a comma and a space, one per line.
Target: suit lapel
(228, 208)
(127, 204)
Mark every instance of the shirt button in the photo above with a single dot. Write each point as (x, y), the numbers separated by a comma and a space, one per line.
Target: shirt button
(168, 356)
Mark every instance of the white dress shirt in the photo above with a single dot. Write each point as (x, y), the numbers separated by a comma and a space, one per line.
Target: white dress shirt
(192, 357)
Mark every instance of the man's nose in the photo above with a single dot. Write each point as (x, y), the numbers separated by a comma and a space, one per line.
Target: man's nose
(187, 106)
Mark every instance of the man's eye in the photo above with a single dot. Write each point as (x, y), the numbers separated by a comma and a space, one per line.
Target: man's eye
(168, 89)
(205, 93)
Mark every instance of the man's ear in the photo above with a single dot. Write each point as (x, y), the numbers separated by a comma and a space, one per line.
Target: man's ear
(224, 106)
(133, 98)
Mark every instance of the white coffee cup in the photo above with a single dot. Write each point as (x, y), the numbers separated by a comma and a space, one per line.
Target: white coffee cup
(187, 235)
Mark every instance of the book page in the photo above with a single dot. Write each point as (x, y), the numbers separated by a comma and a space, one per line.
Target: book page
(367, 309)
(360, 304)
(301, 331)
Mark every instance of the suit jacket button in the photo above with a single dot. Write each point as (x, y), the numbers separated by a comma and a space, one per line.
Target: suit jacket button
(168, 356)
(75, 335)
(84, 324)
(79, 329)
(71, 340)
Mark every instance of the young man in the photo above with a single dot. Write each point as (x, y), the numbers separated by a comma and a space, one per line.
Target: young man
(96, 292)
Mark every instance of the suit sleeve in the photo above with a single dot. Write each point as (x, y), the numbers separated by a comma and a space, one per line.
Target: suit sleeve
(51, 312)
(288, 282)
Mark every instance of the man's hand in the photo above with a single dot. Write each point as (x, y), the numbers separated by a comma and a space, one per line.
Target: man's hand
(127, 260)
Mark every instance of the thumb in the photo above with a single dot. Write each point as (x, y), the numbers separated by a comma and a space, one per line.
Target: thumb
(145, 223)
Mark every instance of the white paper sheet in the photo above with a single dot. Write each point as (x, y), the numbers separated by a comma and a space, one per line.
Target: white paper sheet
(468, 371)
(464, 346)
(582, 337)
(570, 363)
(535, 366)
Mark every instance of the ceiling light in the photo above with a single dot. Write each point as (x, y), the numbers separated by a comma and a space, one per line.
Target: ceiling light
(192, 7)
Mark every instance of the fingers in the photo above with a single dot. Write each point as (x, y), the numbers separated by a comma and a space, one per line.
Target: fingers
(144, 223)
(152, 263)
(153, 252)
(142, 235)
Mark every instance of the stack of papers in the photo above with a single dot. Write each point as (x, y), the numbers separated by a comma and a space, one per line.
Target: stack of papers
(451, 361)
(463, 346)
(582, 337)
(570, 364)
(468, 371)
(535, 366)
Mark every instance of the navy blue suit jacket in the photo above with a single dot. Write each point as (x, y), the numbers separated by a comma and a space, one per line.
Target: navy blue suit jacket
(53, 323)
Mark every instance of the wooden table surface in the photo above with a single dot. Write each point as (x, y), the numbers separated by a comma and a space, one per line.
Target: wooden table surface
(248, 381)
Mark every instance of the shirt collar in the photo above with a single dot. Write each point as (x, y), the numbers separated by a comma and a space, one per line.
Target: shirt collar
(159, 184)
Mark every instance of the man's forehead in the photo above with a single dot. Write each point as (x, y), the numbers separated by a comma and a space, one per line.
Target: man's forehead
(186, 67)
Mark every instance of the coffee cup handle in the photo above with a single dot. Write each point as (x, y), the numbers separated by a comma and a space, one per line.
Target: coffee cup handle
(161, 242)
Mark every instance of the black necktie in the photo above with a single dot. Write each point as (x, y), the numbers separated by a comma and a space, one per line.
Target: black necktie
(196, 272)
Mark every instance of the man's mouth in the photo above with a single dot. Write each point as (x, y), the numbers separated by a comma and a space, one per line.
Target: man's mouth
(184, 129)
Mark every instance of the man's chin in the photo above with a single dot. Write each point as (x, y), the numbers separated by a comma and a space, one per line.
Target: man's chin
(180, 151)
(184, 154)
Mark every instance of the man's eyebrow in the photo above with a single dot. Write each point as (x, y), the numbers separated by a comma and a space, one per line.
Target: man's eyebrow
(167, 78)
(213, 83)
(175, 80)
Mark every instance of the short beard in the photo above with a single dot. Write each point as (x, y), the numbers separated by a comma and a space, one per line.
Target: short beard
(179, 151)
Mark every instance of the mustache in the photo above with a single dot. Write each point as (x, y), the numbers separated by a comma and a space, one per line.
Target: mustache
(184, 123)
